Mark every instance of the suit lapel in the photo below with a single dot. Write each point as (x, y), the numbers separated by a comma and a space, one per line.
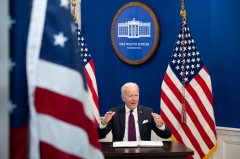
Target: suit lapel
(140, 119)
(122, 119)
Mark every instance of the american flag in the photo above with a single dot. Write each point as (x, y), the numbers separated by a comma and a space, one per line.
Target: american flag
(61, 118)
(18, 103)
(186, 98)
(89, 72)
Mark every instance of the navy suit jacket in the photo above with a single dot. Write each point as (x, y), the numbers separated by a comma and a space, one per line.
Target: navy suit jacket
(117, 125)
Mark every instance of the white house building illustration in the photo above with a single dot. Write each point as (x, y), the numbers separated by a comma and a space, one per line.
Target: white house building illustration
(134, 29)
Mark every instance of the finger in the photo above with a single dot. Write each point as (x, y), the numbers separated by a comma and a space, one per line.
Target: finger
(113, 113)
(154, 115)
(110, 112)
(157, 118)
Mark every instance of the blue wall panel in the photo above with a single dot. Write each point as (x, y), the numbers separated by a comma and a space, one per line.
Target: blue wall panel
(209, 22)
(225, 56)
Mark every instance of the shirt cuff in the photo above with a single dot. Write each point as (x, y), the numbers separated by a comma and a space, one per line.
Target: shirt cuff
(162, 127)
(101, 126)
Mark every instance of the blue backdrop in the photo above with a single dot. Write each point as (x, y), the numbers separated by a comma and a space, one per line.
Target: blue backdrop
(214, 26)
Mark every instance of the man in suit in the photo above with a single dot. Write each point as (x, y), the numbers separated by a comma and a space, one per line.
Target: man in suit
(117, 119)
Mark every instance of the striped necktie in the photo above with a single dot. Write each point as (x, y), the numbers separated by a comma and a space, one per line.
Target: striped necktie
(131, 127)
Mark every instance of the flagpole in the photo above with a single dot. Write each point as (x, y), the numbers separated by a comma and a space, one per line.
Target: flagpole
(73, 7)
(183, 15)
(4, 81)
(183, 12)
(76, 11)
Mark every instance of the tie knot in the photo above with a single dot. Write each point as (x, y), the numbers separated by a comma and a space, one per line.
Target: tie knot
(131, 111)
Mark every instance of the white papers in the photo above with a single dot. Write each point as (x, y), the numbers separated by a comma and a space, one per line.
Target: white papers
(138, 143)
(151, 143)
(125, 144)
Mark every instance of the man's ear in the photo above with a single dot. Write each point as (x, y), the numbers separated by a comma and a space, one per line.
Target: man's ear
(122, 97)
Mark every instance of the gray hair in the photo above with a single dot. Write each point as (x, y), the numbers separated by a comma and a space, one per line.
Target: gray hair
(129, 84)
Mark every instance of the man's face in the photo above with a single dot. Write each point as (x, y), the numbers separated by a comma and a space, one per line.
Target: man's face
(131, 96)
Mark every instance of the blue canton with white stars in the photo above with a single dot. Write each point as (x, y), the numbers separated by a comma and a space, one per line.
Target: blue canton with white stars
(84, 53)
(185, 64)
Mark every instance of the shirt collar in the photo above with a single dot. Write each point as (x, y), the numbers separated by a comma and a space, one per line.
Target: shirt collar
(128, 110)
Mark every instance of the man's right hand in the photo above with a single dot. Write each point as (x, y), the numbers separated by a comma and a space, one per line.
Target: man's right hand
(107, 117)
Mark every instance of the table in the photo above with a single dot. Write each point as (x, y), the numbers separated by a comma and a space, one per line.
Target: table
(171, 150)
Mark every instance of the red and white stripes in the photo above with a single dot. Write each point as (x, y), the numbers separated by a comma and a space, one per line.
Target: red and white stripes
(61, 118)
(92, 86)
(199, 132)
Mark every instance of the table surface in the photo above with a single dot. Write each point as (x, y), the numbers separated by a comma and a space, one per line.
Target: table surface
(171, 149)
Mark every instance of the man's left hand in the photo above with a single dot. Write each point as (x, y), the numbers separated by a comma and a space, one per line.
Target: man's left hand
(158, 120)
